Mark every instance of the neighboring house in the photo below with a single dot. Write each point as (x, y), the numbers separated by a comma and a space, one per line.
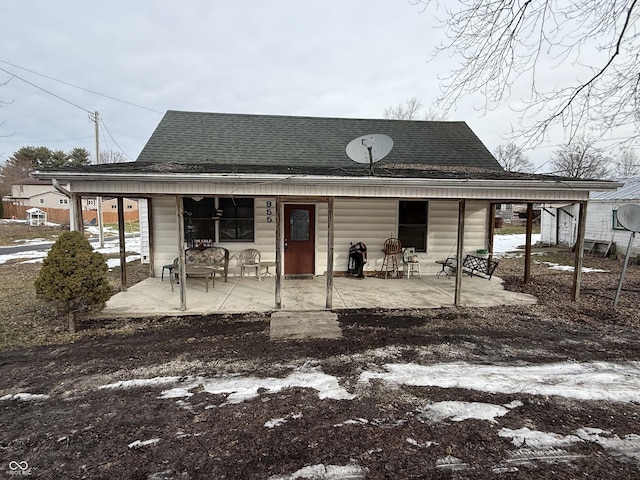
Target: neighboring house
(559, 223)
(30, 192)
(286, 186)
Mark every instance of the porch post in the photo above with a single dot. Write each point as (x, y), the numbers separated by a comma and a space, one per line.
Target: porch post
(123, 246)
(329, 253)
(151, 239)
(181, 257)
(579, 254)
(459, 252)
(278, 254)
(77, 223)
(527, 248)
(491, 229)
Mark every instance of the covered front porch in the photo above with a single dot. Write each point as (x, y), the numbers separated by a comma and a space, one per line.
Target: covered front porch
(243, 295)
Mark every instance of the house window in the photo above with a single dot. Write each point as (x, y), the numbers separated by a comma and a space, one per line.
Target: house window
(63, 201)
(42, 200)
(130, 206)
(237, 223)
(412, 225)
(615, 225)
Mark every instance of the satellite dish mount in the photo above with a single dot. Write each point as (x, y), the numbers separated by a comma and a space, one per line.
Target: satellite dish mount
(369, 149)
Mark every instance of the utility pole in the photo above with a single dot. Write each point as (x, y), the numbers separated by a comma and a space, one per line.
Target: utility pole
(98, 198)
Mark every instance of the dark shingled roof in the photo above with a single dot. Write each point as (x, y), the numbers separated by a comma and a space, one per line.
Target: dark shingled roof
(307, 142)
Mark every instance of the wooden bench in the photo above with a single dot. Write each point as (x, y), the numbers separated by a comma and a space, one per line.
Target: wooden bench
(200, 260)
(479, 265)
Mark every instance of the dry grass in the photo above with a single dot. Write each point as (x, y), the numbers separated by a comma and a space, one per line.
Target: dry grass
(26, 320)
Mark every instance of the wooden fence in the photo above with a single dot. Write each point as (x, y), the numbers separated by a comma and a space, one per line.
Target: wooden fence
(61, 215)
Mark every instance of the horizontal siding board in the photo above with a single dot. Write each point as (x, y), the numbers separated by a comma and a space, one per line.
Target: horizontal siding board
(366, 220)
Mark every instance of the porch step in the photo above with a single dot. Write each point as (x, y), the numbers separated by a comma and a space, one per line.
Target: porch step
(304, 324)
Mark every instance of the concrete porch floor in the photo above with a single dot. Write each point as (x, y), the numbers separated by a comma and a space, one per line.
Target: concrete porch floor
(153, 297)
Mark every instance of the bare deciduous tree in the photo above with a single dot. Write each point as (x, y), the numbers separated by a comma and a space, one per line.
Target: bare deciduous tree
(511, 158)
(411, 109)
(500, 42)
(580, 159)
(627, 164)
(112, 156)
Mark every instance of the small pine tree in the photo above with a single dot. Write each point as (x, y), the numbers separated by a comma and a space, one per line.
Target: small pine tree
(73, 277)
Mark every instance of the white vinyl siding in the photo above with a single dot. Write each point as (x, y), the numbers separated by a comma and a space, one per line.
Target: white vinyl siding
(165, 234)
(366, 220)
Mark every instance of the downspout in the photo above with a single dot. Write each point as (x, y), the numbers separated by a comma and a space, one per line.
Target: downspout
(75, 207)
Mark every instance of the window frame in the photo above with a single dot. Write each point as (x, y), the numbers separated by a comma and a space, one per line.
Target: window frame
(424, 226)
(615, 225)
(239, 219)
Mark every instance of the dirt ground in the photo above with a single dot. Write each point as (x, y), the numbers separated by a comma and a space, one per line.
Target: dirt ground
(80, 430)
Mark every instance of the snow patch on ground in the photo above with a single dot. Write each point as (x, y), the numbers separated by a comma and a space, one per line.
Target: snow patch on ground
(239, 389)
(143, 443)
(322, 472)
(459, 411)
(582, 381)
(25, 397)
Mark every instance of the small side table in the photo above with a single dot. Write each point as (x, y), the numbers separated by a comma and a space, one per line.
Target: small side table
(445, 263)
(267, 265)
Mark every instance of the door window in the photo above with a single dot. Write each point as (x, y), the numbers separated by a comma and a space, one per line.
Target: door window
(299, 225)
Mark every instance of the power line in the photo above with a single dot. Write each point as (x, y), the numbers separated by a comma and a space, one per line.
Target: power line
(114, 140)
(44, 90)
(46, 141)
(79, 87)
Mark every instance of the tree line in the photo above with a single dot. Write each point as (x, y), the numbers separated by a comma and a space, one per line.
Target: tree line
(29, 159)
(579, 158)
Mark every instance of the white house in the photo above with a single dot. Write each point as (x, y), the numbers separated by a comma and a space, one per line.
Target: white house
(287, 187)
(559, 223)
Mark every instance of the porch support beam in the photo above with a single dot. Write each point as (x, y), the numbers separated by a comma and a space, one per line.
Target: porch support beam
(77, 223)
(330, 252)
(491, 229)
(459, 252)
(151, 236)
(123, 246)
(579, 253)
(279, 253)
(527, 248)
(181, 257)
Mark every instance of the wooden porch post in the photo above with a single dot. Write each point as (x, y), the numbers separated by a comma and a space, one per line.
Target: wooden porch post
(491, 229)
(279, 254)
(123, 246)
(181, 258)
(329, 253)
(459, 252)
(77, 223)
(151, 239)
(527, 249)
(579, 253)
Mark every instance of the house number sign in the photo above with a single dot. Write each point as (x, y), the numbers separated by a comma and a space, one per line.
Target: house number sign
(269, 212)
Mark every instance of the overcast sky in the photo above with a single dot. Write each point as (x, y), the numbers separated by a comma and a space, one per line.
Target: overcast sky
(335, 58)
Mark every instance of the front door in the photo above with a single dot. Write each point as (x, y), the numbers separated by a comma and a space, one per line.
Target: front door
(299, 239)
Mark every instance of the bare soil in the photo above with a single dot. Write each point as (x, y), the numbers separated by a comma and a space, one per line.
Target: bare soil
(82, 431)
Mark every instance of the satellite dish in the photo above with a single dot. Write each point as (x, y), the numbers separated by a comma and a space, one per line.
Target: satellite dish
(369, 148)
(629, 217)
